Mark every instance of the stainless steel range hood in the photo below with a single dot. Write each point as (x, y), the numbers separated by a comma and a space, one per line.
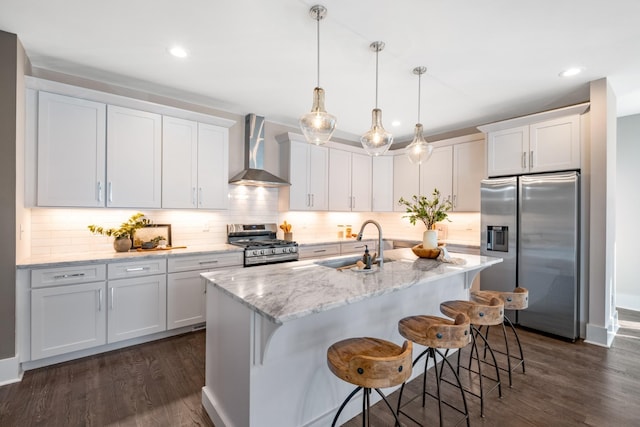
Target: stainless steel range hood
(253, 173)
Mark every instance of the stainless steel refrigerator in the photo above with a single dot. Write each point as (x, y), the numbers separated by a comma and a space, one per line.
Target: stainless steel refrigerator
(533, 223)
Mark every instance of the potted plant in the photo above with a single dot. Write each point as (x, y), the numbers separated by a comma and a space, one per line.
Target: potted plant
(124, 234)
(429, 211)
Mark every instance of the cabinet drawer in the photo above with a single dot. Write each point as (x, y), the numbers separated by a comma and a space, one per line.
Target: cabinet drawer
(318, 251)
(67, 275)
(199, 262)
(137, 268)
(358, 247)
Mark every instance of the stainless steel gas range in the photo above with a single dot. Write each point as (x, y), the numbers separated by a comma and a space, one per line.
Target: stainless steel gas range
(260, 244)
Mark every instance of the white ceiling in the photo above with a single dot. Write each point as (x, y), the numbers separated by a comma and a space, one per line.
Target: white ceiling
(486, 60)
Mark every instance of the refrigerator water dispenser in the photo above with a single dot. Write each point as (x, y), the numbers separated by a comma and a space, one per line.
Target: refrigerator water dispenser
(498, 238)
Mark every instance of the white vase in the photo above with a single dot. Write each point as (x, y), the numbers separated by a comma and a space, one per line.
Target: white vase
(430, 239)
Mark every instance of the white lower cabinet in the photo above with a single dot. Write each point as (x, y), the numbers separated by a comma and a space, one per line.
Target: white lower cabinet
(318, 251)
(136, 306)
(67, 318)
(186, 289)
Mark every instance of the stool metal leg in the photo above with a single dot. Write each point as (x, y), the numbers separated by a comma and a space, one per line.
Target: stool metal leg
(459, 383)
(515, 333)
(353, 393)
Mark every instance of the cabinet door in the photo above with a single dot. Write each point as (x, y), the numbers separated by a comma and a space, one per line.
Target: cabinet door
(299, 198)
(134, 158)
(361, 182)
(185, 299)
(382, 183)
(67, 318)
(340, 197)
(71, 151)
(318, 177)
(507, 150)
(437, 172)
(137, 307)
(468, 171)
(179, 163)
(406, 180)
(213, 167)
(555, 145)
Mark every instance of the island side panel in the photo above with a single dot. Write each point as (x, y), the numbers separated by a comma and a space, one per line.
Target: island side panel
(294, 387)
(226, 394)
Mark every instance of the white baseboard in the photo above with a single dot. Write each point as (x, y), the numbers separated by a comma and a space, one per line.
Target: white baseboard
(628, 301)
(10, 371)
(599, 335)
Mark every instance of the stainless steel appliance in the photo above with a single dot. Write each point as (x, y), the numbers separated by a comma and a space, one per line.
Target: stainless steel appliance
(533, 223)
(260, 244)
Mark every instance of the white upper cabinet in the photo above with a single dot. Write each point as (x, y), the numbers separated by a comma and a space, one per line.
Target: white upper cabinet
(406, 180)
(507, 150)
(555, 144)
(194, 164)
(213, 167)
(543, 142)
(382, 184)
(437, 172)
(179, 163)
(134, 158)
(306, 167)
(349, 181)
(468, 171)
(70, 151)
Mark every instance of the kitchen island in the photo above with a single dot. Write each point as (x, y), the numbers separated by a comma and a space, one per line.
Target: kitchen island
(268, 329)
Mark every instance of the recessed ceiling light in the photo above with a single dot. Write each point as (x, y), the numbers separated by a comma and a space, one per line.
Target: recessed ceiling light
(396, 123)
(570, 72)
(178, 52)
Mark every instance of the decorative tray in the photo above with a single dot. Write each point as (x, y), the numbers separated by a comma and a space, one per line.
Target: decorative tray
(425, 253)
(167, 248)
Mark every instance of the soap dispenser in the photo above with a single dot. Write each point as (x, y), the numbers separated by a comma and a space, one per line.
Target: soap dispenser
(366, 258)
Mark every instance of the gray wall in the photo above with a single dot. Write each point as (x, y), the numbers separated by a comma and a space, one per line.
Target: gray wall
(8, 79)
(628, 201)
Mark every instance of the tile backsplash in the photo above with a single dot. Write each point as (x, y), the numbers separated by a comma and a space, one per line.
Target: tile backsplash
(61, 230)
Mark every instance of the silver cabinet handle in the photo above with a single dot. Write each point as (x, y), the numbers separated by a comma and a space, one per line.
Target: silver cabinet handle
(213, 261)
(99, 299)
(320, 250)
(359, 247)
(308, 200)
(455, 200)
(66, 276)
(110, 192)
(313, 200)
(129, 270)
(531, 159)
(200, 196)
(193, 196)
(524, 160)
(99, 191)
(111, 299)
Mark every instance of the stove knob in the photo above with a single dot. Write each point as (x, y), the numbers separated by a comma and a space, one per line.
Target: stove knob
(261, 251)
(273, 251)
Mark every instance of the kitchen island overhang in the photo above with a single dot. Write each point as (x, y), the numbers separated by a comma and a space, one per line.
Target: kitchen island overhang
(268, 329)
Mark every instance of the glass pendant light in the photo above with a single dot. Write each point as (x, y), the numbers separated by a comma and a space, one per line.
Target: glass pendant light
(377, 140)
(318, 125)
(419, 151)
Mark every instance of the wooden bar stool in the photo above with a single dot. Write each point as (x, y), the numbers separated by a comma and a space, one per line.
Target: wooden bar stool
(369, 363)
(434, 333)
(479, 315)
(516, 300)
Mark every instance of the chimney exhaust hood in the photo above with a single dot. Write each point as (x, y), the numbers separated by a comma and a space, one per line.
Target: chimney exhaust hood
(253, 173)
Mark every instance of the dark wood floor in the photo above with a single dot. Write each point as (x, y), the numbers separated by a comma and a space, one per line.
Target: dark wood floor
(159, 384)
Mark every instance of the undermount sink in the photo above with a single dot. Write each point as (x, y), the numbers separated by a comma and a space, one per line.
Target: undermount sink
(342, 262)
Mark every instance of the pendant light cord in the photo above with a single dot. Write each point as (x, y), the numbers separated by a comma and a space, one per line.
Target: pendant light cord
(419, 91)
(318, 44)
(377, 52)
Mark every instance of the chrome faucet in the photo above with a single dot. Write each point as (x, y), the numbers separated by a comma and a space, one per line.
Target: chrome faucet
(380, 258)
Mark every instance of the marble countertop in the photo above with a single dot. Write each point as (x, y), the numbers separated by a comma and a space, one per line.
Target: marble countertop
(61, 260)
(288, 291)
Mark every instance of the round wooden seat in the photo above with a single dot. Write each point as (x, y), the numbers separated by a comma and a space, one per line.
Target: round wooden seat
(491, 313)
(370, 362)
(516, 300)
(437, 332)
